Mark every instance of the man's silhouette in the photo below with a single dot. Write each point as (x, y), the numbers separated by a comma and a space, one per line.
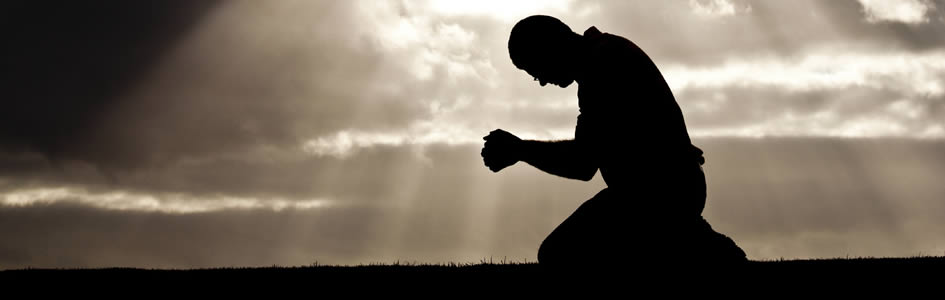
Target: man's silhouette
(631, 128)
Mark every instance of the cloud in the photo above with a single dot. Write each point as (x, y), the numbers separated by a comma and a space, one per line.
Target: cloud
(717, 8)
(164, 203)
(459, 123)
(825, 92)
(917, 75)
(904, 11)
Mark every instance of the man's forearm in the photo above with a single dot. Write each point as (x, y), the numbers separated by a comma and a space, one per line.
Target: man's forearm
(563, 158)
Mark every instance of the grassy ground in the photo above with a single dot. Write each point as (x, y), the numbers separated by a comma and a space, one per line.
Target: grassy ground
(773, 271)
(833, 263)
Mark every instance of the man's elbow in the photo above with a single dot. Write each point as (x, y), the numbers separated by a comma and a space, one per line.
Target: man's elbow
(585, 168)
(587, 175)
(584, 165)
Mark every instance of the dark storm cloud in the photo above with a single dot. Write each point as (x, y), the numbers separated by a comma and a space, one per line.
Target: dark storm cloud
(65, 64)
(128, 90)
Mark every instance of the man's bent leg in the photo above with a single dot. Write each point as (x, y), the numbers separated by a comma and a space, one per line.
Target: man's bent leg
(583, 237)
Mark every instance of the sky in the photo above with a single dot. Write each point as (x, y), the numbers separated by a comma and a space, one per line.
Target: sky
(183, 134)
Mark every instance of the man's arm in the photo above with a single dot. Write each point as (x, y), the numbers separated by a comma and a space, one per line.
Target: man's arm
(567, 159)
(563, 158)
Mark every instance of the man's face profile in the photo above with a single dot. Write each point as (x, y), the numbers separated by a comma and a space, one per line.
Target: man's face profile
(548, 71)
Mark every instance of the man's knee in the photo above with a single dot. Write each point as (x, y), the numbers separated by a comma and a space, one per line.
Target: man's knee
(551, 251)
(561, 245)
(545, 255)
(559, 254)
(578, 236)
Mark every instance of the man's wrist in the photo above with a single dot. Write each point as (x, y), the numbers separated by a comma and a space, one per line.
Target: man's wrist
(522, 149)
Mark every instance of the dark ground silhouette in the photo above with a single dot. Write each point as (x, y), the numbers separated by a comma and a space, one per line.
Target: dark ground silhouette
(631, 128)
(769, 275)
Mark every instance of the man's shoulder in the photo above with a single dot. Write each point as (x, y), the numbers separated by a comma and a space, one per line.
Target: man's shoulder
(603, 41)
(612, 53)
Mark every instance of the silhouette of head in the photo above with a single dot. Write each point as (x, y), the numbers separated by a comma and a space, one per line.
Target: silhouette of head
(543, 47)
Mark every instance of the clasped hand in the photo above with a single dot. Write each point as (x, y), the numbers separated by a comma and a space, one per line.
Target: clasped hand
(502, 149)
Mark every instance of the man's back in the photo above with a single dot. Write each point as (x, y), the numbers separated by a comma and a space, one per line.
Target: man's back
(635, 127)
(629, 114)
